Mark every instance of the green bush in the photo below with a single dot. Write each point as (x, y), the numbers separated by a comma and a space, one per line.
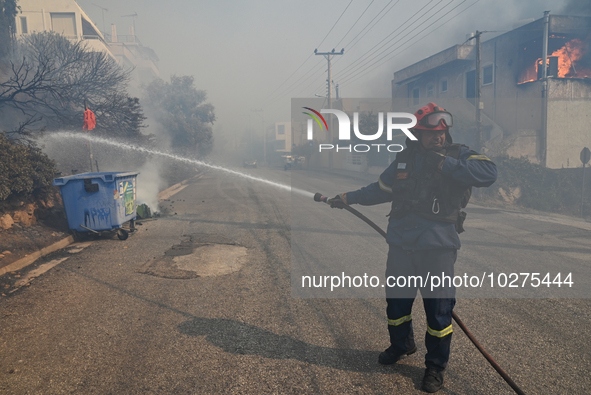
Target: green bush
(24, 170)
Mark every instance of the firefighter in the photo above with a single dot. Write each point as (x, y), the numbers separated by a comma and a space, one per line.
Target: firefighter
(428, 184)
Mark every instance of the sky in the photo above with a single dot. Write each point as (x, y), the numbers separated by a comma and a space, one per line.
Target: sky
(258, 54)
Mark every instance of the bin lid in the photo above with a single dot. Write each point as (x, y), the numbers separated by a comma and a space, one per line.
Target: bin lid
(105, 176)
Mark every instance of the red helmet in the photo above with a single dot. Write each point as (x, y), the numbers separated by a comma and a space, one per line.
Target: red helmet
(432, 117)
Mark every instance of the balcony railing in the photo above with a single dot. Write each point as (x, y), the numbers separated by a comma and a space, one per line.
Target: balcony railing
(123, 39)
(86, 37)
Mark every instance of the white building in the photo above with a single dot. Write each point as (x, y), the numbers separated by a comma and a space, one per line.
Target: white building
(283, 137)
(68, 18)
(60, 16)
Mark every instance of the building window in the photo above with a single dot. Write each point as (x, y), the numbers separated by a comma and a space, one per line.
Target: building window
(487, 75)
(281, 129)
(443, 85)
(429, 90)
(64, 23)
(415, 96)
(356, 159)
(88, 30)
(24, 28)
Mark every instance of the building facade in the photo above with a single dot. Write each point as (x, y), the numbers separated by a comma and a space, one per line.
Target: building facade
(283, 137)
(522, 114)
(66, 17)
(60, 16)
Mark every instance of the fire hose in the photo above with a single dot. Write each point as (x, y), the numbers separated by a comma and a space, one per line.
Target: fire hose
(320, 198)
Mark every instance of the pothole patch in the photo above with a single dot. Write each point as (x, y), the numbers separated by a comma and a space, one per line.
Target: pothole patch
(202, 255)
(213, 260)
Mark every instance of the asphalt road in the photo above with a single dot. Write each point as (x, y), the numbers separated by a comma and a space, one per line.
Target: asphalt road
(208, 300)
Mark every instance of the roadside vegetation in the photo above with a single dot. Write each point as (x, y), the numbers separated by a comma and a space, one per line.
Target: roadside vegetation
(46, 83)
(24, 171)
(529, 185)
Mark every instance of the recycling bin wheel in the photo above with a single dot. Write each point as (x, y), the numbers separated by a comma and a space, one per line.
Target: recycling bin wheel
(122, 234)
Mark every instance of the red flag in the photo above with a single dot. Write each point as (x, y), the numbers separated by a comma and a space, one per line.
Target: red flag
(89, 120)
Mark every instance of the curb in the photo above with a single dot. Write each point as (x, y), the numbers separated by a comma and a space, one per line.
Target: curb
(176, 188)
(26, 261)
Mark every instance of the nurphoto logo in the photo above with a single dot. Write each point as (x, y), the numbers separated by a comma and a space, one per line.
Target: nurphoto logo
(393, 122)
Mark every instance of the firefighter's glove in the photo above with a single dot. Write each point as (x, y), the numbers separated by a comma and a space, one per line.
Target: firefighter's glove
(434, 161)
(339, 201)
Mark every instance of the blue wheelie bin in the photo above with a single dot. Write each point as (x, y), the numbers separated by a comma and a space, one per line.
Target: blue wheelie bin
(98, 202)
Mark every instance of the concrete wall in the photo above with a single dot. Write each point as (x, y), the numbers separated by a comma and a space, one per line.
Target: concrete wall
(569, 122)
(38, 16)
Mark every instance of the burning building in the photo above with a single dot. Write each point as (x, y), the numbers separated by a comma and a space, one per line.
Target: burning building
(523, 113)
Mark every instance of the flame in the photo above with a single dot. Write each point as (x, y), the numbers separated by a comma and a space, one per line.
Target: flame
(568, 56)
(572, 59)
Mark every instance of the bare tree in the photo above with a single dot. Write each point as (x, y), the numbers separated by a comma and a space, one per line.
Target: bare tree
(51, 78)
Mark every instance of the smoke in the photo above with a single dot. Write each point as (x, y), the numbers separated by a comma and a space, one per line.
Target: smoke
(72, 157)
(149, 183)
(577, 7)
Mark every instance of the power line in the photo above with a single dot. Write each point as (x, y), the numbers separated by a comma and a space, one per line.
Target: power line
(374, 51)
(292, 74)
(365, 27)
(383, 15)
(310, 73)
(394, 51)
(375, 64)
(352, 26)
(308, 58)
(333, 26)
(314, 74)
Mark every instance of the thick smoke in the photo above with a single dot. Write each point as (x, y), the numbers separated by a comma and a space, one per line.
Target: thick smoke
(577, 7)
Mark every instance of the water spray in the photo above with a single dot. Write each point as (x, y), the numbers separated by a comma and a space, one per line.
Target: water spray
(131, 147)
(318, 197)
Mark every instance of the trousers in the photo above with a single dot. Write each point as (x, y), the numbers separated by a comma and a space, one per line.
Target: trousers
(407, 272)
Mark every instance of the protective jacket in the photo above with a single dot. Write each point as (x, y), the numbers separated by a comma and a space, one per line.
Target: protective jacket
(428, 193)
(426, 202)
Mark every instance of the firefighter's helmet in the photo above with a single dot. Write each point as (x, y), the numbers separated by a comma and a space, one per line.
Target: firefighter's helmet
(433, 117)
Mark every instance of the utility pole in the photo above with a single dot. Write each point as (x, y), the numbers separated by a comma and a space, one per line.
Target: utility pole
(585, 157)
(478, 92)
(328, 56)
(478, 95)
(544, 90)
(264, 135)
